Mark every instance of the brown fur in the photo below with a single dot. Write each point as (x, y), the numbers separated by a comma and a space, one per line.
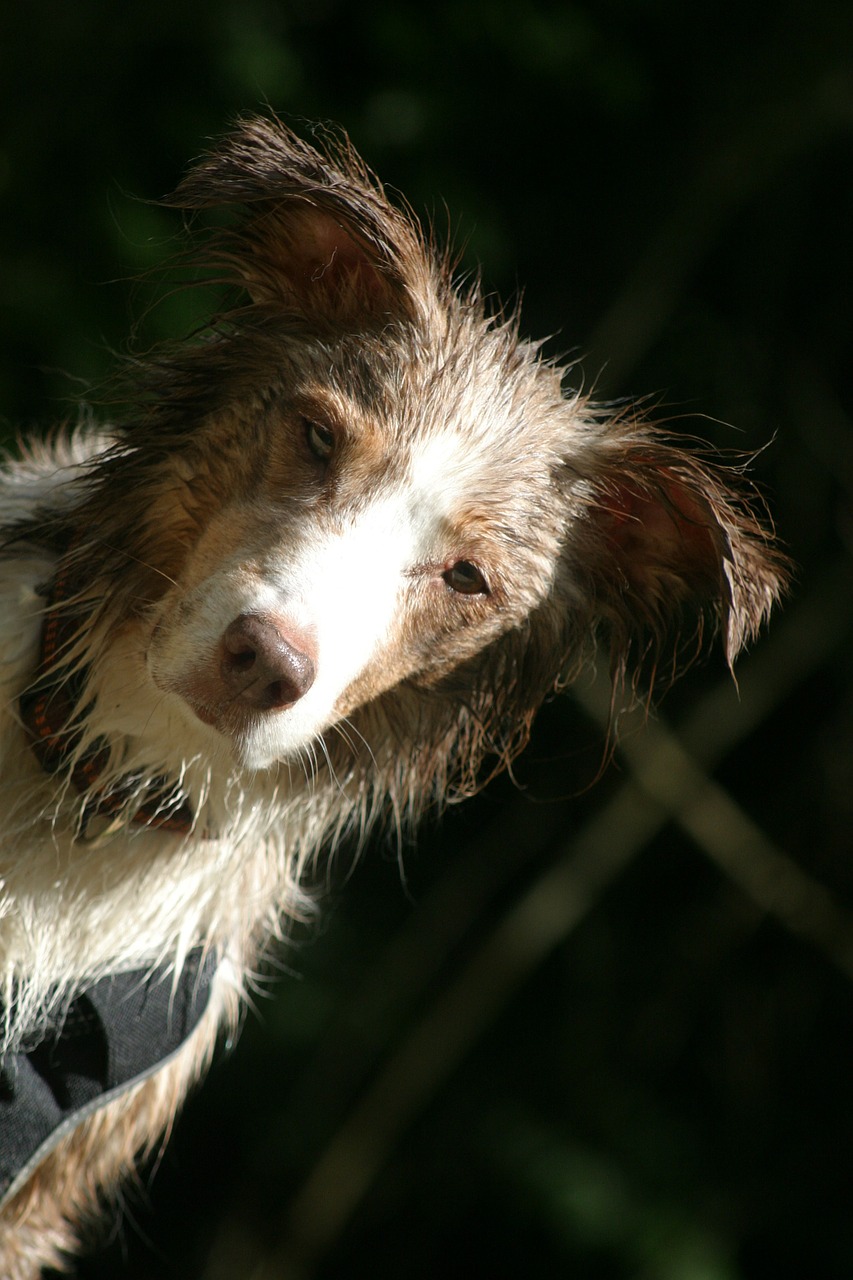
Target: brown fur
(592, 530)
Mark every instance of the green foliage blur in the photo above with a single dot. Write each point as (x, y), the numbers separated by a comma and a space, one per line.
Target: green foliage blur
(665, 1093)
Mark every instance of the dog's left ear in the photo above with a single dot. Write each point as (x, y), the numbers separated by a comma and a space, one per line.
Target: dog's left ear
(317, 234)
(670, 541)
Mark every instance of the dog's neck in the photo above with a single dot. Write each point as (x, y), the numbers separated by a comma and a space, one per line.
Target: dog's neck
(49, 708)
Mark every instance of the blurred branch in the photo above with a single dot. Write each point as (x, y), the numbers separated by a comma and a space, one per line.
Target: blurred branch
(537, 922)
(672, 773)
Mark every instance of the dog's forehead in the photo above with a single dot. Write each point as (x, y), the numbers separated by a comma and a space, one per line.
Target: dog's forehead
(438, 463)
(438, 478)
(454, 469)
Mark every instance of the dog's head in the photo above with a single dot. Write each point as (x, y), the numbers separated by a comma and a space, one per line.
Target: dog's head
(360, 490)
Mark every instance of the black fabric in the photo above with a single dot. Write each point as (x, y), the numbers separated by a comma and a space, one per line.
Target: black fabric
(114, 1033)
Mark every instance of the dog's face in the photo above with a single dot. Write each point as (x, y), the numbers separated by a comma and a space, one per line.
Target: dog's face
(361, 542)
(360, 481)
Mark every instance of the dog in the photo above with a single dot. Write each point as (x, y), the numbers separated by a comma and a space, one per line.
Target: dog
(319, 577)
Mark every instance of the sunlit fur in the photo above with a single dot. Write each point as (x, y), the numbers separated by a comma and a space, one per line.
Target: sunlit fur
(368, 457)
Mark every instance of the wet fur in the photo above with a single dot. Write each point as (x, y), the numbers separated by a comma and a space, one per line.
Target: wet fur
(594, 533)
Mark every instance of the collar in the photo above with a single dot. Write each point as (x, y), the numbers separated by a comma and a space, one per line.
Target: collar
(49, 708)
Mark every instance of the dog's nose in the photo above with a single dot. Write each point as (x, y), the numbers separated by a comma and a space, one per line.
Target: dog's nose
(264, 668)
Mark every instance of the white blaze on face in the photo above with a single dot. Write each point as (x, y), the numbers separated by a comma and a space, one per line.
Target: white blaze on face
(341, 580)
(440, 470)
(350, 585)
(344, 586)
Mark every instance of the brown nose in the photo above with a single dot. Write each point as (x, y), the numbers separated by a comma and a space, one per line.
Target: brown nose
(263, 668)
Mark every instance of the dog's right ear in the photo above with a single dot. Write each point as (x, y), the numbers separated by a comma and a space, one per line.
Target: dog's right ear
(316, 234)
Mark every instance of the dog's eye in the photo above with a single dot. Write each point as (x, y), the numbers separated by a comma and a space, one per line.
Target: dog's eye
(466, 579)
(321, 441)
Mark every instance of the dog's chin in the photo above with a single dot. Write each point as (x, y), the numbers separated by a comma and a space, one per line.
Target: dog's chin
(255, 756)
(256, 741)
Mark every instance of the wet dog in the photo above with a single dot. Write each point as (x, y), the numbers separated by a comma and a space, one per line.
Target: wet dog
(328, 565)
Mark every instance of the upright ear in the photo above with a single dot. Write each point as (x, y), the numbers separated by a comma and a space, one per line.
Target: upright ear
(675, 541)
(315, 233)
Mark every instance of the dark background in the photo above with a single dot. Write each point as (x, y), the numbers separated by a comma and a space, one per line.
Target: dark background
(598, 1031)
